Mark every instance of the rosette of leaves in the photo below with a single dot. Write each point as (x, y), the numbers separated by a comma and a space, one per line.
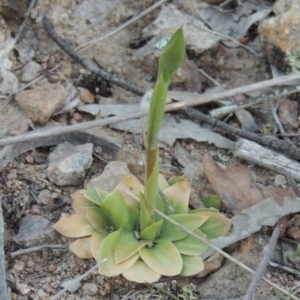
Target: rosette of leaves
(108, 225)
(124, 226)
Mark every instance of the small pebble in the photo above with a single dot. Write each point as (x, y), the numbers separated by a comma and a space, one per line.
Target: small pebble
(77, 117)
(19, 265)
(89, 289)
(29, 263)
(52, 268)
(45, 197)
(29, 158)
(41, 293)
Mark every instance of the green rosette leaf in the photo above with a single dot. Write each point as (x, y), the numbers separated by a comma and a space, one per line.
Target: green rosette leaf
(216, 225)
(151, 232)
(98, 219)
(114, 206)
(191, 246)
(126, 246)
(94, 195)
(212, 201)
(170, 232)
(163, 258)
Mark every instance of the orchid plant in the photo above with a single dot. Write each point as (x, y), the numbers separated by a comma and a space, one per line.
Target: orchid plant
(123, 228)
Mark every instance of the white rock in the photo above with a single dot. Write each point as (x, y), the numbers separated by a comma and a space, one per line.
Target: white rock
(67, 163)
(89, 289)
(19, 265)
(30, 71)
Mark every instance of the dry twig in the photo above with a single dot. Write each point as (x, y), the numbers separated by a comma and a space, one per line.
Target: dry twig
(30, 7)
(265, 260)
(37, 249)
(278, 145)
(124, 25)
(77, 280)
(88, 64)
(202, 99)
(3, 285)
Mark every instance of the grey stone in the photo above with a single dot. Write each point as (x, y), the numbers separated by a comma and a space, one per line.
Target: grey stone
(89, 289)
(45, 197)
(67, 163)
(30, 71)
(19, 265)
(42, 294)
(26, 47)
(9, 82)
(34, 230)
(197, 39)
(113, 173)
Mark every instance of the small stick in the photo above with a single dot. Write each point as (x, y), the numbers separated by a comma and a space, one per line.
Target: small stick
(265, 260)
(222, 35)
(88, 64)
(278, 145)
(98, 20)
(30, 7)
(3, 285)
(77, 280)
(284, 268)
(132, 20)
(170, 107)
(37, 249)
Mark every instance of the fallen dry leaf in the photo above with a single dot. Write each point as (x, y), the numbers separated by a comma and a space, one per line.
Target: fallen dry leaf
(288, 113)
(294, 233)
(278, 193)
(233, 185)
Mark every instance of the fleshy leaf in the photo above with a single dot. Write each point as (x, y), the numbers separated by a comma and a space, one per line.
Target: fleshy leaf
(216, 225)
(162, 182)
(192, 265)
(178, 196)
(159, 205)
(141, 273)
(134, 215)
(97, 219)
(191, 246)
(151, 232)
(81, 247)
(74, 226)
(101, 194)
(175, 179)
(131, 184)
(97, 239)
(145, 217)
(91, 194)
(80, 203)
(109, 267)
(163, 258)
(171, 232)
(126, 246)
(115, 207)
(212, 201)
